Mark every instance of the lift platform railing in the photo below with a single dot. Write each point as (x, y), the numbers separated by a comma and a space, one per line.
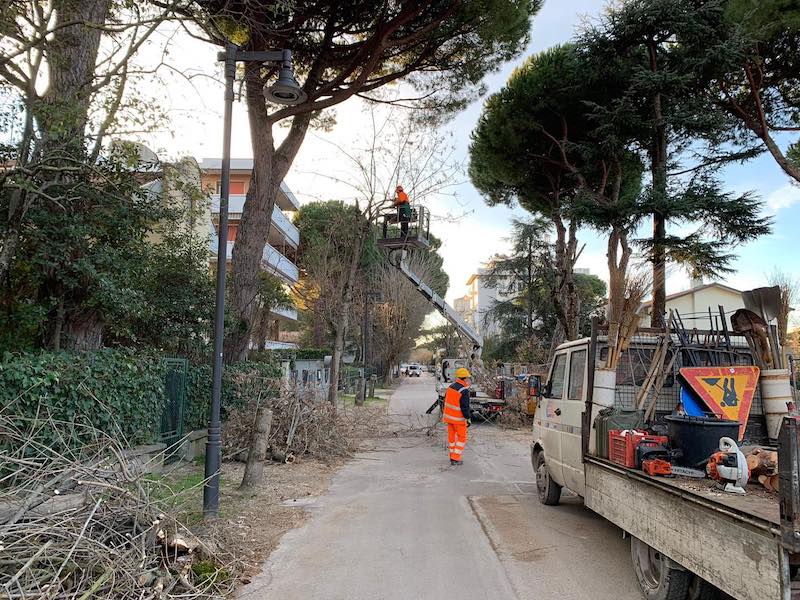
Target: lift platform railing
(418, 229)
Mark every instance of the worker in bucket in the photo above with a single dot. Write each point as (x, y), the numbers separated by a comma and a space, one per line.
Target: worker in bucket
(403, 209)
(457, 415)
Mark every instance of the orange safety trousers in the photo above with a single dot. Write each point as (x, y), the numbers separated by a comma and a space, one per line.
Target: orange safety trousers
(457, 439)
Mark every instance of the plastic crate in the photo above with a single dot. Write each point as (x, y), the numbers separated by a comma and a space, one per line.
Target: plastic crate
(622, 448)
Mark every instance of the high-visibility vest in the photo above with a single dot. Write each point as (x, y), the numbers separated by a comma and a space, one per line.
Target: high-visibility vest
(451, 412)
(402, 198)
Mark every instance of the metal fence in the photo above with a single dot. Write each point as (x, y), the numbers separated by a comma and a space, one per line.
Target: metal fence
(708, 351)
(172, 418)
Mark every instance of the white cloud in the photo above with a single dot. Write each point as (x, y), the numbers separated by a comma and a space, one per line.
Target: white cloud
(783, 197)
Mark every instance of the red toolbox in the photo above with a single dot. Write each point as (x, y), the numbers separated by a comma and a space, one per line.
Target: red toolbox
(622, 445)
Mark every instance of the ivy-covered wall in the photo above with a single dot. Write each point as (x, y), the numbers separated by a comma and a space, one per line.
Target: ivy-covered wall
(241, 382)
(118, 391)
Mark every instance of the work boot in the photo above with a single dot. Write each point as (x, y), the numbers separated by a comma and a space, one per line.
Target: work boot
(459, 463)
(453, 462)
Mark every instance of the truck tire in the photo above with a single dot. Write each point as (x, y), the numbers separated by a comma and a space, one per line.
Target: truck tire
(700, 589)
(549, 491)
(659, 577)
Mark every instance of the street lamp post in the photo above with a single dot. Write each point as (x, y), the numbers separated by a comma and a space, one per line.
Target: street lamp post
(285, 90)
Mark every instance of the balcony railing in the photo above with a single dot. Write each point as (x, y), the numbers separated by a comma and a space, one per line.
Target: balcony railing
(280, 222)
(290, 314)
(272, 260)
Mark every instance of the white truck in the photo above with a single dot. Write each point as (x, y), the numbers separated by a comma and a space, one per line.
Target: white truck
(687, 542)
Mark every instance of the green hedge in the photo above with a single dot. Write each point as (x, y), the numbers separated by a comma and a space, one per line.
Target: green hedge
(240, 383)
(117, 391)
(290, 354)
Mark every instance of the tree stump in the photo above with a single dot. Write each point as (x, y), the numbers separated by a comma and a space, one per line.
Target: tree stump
(257, 455)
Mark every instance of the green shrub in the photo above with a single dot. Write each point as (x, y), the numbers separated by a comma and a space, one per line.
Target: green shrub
(241, 382)
(120, 392)
(290, 354)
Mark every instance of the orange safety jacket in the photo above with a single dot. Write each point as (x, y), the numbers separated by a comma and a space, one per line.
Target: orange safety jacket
(402, 198)
(456, 403)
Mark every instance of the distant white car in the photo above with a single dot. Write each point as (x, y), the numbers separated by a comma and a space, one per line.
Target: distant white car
(414, 370)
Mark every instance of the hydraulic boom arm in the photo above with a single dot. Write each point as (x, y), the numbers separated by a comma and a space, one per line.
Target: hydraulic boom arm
(447, 311)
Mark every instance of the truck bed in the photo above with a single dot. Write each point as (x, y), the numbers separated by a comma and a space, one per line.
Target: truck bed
(731, 541)
(758, 503)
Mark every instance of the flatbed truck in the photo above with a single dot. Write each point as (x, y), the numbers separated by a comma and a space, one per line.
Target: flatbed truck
(688, 541)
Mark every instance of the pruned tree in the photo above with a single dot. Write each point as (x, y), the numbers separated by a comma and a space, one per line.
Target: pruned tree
(395, 149)
(343, 50)
(402, 311)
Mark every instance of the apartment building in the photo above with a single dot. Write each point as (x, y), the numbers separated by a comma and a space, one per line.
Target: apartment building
(280, 252)
(475, 305)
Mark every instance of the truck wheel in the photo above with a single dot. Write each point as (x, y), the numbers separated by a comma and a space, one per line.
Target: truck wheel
(659, 577)
(700, 589)
(549, 491)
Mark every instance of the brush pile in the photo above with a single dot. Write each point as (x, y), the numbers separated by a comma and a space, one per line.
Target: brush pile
(302, 424)
(87, 523)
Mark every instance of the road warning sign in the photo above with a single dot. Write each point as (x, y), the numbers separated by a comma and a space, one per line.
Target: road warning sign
(726, 391)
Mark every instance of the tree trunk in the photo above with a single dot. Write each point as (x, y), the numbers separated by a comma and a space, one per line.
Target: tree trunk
(257, 453)
(270, 166)
(564, 295)
(83, 331)
(343, 320)
(62, 112)
(658, 171)
(338, 351)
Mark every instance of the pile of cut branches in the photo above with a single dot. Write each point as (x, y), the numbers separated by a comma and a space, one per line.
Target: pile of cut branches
(303, 424)
(83, 523)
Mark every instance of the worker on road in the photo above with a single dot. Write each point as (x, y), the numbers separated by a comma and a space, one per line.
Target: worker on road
(457, 415)
(403, 209)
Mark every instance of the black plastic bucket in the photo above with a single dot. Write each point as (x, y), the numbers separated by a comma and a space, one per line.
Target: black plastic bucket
(698, 437)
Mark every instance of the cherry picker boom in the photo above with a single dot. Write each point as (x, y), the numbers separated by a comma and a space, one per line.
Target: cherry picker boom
(398, 243)
(417, 237)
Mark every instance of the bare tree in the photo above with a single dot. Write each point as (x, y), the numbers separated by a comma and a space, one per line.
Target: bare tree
(790, 293)
(395, 150)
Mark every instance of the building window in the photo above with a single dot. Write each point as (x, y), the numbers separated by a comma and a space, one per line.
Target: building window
(235, 187)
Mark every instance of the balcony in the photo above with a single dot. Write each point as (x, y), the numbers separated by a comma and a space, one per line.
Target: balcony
(272, 261)
(282, 229)
(277, 263)
(285, 314)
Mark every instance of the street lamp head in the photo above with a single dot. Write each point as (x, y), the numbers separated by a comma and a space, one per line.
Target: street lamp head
(285, 90)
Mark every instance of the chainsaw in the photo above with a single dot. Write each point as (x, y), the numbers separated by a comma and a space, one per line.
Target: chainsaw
(658, 466)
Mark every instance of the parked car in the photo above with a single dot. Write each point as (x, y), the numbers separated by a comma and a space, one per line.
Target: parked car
(414, 370)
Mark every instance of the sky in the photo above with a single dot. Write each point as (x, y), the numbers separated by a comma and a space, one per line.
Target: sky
(194, 105)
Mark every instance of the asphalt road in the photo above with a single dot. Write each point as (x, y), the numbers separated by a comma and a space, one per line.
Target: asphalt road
(400, 523)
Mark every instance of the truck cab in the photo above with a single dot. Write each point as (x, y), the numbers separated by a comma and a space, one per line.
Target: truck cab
(557, 444)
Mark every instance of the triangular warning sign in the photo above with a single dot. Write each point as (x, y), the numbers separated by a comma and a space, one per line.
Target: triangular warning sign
(727, 391)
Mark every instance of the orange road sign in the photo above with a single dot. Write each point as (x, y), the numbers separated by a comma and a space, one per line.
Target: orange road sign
(727, 391)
